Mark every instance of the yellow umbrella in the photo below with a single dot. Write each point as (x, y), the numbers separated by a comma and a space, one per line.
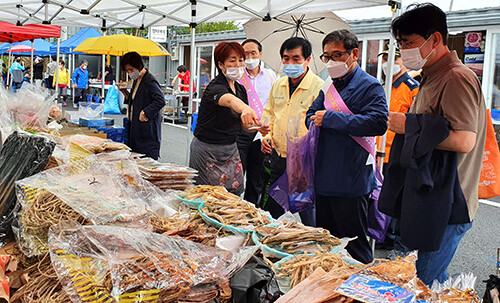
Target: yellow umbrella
(118, 45)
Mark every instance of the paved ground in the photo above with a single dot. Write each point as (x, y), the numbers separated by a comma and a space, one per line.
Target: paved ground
(477, 251)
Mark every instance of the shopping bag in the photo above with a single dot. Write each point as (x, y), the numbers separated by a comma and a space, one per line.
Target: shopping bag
(111, 106)
(489, 182)
(378, 222)
(294, 190)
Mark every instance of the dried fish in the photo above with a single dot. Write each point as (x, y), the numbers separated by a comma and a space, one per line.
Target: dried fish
(188, 226)
(210, 192)
(238, 213)
(294, 237)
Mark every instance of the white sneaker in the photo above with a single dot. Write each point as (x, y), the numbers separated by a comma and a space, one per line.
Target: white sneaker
(75, 105)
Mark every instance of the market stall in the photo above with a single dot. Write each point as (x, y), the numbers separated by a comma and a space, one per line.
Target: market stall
(15, 33)
(94, 223)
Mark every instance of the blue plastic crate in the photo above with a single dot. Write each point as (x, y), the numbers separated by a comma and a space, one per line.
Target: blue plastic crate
(115, 133)
(96, 122)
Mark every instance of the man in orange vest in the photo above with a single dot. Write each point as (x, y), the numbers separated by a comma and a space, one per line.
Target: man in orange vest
(404, 89)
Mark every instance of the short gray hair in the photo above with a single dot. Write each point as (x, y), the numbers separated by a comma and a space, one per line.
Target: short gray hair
(345, 36)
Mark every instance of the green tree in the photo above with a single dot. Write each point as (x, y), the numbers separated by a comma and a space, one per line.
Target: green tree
(208, 27)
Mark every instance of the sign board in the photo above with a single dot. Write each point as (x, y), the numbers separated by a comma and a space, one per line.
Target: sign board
(158, 34)
(473, 58)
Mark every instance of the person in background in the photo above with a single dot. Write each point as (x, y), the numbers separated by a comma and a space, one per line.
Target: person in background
(27, 75)
(108, 74)
(81, 83)
(289, 99)
(204, 78)
(4, 74)
(453, 91)
(344, 172)
(63, 82)
(184, 76)
(259, 80)
(145, 102)
(404, 89)
(38, 71)
(224, 111)
(17, 73)
(51, 70)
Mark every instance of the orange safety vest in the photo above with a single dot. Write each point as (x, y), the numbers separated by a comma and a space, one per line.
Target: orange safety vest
(404, 89)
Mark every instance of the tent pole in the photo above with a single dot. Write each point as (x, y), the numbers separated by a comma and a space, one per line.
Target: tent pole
(396, 11)
(57, 72)
(117, 69)
(191, 80)
(8, 64)
(31, 71)
(103, 68)
(102, 77)
(71, 70)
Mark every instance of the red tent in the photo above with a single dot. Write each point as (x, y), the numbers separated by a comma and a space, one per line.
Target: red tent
(14, 33)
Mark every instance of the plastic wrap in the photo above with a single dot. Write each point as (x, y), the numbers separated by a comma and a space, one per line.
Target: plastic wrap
(88, 191)
(92, 194)
(152, 169)
(93, 144)
(6, 119)
(22, 155)
(104, 263)
(294, 190)
(389, 280)
(88, 110)
(30, 107)
(457, 289)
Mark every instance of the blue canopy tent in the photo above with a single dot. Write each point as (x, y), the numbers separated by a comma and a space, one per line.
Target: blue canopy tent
(42, 48)
(68, 45)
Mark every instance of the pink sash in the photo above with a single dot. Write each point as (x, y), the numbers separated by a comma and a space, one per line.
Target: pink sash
(334, 102)
(253, 97)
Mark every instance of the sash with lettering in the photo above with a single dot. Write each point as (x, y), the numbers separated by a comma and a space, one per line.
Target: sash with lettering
(377, 221)
(253, 97)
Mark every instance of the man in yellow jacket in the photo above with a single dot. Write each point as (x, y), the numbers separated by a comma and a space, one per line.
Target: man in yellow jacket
(63, 82)
(290, 98)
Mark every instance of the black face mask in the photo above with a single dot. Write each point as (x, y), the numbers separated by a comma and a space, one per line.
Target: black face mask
(18, 60)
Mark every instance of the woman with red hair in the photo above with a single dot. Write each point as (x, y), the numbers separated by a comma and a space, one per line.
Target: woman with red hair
(224, 111)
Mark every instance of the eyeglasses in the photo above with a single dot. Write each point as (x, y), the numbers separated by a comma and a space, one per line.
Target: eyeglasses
(335, 57)
(404, 44)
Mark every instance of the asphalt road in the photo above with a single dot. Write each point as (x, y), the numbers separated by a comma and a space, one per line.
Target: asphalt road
(477, 252)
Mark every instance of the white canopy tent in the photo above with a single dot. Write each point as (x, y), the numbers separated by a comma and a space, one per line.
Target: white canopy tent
(106, 14)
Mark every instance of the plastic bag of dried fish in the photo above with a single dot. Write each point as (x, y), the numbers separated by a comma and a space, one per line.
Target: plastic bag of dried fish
(112, 264)
(89, 192)
(459, 289)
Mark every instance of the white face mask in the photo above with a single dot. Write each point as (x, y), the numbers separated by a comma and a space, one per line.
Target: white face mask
(134, 75)
(412, 58)
(252, 64)
(84, 67)
(60, 66)
(337, 69)
(234, 73)
(395, 68)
